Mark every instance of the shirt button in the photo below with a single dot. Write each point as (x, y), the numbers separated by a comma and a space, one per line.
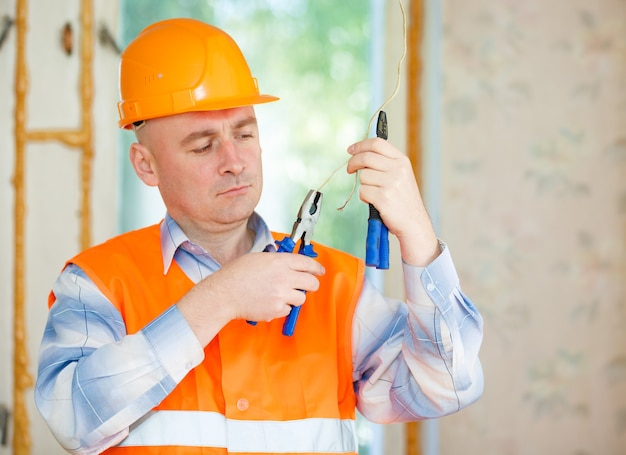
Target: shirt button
(430, 287)
(242, 404)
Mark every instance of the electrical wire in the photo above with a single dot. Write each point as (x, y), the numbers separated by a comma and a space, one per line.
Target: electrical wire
(374, 115)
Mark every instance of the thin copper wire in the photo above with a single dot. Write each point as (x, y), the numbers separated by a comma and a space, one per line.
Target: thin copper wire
(380, 108)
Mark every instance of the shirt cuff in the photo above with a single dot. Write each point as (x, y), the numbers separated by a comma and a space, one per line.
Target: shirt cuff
(174, 343)
(437, 280)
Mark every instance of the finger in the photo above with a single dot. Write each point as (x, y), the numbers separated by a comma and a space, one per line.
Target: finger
(376, 145)
(283, 310)
(372, 177)
(299, 281)
(302, 263)
(296, 299)
(369, 160)
(306, 282)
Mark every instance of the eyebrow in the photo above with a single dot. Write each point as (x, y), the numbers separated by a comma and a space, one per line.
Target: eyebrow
(210, 132)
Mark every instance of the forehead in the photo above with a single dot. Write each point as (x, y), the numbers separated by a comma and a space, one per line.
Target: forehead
(176, 127)
(232, 115)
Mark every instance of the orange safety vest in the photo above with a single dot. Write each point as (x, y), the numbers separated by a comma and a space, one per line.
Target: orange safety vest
(256, 391)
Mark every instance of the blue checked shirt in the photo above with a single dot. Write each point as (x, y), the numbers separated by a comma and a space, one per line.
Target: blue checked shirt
(412, 360)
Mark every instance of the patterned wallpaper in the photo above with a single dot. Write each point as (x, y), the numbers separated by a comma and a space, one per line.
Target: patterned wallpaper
(534, 210)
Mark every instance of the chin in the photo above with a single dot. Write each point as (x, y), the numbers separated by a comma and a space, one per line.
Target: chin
(230, 216)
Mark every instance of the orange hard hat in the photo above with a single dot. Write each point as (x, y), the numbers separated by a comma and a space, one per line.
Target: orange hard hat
(183, 65)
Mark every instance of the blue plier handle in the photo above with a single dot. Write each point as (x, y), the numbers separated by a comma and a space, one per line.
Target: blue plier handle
(302, 231)
(377, 241)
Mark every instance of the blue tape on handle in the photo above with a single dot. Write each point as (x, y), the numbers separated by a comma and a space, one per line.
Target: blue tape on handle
(287, 245)
(383, 249)
(377, 241)
(289, 326)
(372, 242)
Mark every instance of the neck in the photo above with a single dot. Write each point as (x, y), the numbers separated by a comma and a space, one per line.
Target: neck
(224, 245)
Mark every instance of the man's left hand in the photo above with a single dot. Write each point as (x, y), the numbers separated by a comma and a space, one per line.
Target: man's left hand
(387, 181)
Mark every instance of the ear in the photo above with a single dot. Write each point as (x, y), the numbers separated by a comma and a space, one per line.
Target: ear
(142, 161)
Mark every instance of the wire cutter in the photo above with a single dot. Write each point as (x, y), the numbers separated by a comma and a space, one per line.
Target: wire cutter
(302, 231)
(377, 242)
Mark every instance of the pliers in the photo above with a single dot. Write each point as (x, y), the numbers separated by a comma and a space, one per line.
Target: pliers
(377, 241)
(302, 231)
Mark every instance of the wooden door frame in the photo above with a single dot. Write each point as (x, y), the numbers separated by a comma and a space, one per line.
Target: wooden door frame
(415, 32)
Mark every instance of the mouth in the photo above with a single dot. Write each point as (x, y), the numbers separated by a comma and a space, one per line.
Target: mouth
(234, 191)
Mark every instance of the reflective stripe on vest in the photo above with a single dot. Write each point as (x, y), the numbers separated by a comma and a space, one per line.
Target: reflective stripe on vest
(211, 429)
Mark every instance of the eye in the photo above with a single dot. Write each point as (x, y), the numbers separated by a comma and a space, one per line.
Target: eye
(204, 149)
(245, 135)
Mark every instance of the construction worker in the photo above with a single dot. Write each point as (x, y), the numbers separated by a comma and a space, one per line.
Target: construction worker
(168, 339)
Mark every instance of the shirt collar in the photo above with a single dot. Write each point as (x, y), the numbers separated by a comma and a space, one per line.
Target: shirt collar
(172, 237)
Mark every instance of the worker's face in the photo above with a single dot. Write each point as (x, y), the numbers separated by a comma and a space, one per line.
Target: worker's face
(207, 166)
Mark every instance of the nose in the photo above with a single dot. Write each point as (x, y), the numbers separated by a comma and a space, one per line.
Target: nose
(231, 160)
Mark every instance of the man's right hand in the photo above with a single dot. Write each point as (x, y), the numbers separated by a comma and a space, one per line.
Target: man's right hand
(255, 287)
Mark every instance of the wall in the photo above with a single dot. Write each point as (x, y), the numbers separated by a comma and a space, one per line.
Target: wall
(532, 193)
(52, 170)
(533, 206)
(7, 58)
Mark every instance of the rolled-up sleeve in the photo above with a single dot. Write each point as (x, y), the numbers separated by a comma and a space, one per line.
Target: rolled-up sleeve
(417, 359)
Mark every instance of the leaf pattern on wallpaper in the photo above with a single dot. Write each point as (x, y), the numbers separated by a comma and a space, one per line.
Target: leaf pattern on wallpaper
(550, 385)
(533, 206)
(616, 371)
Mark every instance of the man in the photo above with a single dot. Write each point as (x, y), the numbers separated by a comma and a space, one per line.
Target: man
(147, 348)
